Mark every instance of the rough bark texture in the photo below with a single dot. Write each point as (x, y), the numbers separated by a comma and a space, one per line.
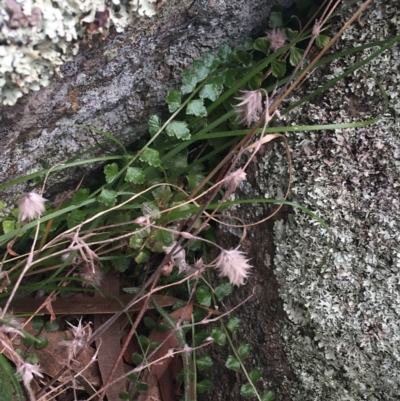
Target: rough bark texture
(115, 84)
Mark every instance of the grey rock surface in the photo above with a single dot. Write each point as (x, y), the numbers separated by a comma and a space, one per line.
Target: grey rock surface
(342, 336)
(114, 85)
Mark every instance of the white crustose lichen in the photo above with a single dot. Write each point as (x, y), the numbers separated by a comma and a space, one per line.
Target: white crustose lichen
(342, 298)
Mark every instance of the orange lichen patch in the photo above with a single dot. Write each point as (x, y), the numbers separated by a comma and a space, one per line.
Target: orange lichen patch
(72, 103)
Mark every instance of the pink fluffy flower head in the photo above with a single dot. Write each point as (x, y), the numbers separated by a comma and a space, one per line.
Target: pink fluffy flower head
(11, 325)
(27, 371)
(31, 206)
(178, 257)
(80, 334)
(277, 38)
(250, 107)
(234, 265)
(92, 275)
(235, 178)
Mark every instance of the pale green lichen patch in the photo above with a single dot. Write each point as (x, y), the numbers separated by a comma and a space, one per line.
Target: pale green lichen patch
(38, 36)
(342, 337)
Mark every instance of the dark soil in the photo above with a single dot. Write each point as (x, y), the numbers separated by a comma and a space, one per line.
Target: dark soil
(261, 321)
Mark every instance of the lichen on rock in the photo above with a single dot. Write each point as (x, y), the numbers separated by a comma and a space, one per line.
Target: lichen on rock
(38, 36)
(342, 298)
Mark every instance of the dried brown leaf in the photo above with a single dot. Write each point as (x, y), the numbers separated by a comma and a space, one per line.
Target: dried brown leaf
(78, 305)
(109, 342)
(54, 357)
(169, 341)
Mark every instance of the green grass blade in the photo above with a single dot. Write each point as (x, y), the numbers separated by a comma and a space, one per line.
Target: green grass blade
(8, 380)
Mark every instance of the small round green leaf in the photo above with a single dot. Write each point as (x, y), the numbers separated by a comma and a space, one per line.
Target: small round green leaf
(121, 263)
(189, 81)
(224, 52)
(173, 100)
(76, 217)
(210, 61)
(291, 34)
(268, 396)
(233, 324)
(200, 336)
(178, 129)
(135, 242)
(163, 327)
(203, 296)
(204, 386)
(143, 256)
(142, 387)
(247, 390)
(232, 363)
(143, 341)
(32, 358)
(278, 68)
(275, 19)
(162, 193)
(153, 345)
(137, 358)
(28, 341)
(244, 350)
(255, 375)
(295, 55)
(42, 342)
(262, 45)
(132, 377)
(178, 304)
(213, 89)
(165, 238)
(229, 77)
(248, 44)
(52, 326)
(134, 175)
(8, 226)
(149, 322)
(255, 81)
(201, 70)
(223, 290)
(37, 323)
(321, 41)
(243, 57)
(79, 196)
(218, 336)
(154, 124)
(204, 362)
(108, 197)
(196, 108)
(150, 207)
(150, 156)
(111, 171)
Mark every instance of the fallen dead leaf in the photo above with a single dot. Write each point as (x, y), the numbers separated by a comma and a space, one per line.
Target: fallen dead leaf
(109, 344)
(157, 370)
(54, 357)
(78, 305)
